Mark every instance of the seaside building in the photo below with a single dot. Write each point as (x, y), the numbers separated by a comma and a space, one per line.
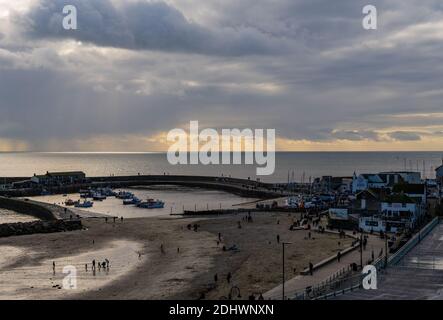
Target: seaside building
(439, 175)
(366, 181)
(384, 180)
(331, 184)
(59, 178)
(397, 212)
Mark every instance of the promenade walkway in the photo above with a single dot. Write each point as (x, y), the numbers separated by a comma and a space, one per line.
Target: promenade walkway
(301, 282)
(419, 275)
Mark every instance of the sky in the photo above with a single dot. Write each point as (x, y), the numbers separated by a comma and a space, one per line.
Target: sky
(133, 70)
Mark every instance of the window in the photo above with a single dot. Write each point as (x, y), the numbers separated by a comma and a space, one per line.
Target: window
(371, 223)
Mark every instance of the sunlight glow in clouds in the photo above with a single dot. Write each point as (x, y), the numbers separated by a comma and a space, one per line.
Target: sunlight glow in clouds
(136, 69)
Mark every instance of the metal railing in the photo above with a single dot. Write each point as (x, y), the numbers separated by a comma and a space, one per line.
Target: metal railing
(346, 280)
(416, 239)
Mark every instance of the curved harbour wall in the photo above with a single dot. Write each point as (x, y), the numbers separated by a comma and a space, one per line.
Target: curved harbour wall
(48, 223)
(28, 208)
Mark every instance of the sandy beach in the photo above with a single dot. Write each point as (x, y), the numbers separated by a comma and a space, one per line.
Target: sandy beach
(140, 270)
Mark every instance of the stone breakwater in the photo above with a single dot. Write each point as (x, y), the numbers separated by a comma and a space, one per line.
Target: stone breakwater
(19, 228)
(49, 218)
(30, 208)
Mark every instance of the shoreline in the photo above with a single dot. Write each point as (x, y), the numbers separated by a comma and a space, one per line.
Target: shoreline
(190, 260)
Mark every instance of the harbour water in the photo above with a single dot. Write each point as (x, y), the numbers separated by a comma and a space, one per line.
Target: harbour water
(176, 198)
(295, 166)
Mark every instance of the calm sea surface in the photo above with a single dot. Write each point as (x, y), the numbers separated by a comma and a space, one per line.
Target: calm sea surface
(295, 164)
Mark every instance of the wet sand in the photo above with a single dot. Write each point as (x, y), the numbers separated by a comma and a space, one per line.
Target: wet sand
(139, 270)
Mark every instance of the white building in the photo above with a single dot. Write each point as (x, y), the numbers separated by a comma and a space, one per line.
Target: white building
(399, 210)
(366, 181)
(384, 180)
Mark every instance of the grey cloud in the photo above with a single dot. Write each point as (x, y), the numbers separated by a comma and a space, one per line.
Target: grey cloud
(143, 25)
(405, 136)
(355, 135)
(321, 97)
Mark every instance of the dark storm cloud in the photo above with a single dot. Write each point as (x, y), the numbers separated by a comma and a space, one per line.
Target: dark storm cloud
(304, 67)
(143, 25)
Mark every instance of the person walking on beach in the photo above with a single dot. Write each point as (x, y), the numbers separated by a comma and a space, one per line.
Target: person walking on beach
(278, 238)
(311, 268)
(53, 267)
(216, 278)
(162, 249)
(93, 265)
(86, 267)
(338, 256)
(121, 219)
(219, 236)
(107, 263)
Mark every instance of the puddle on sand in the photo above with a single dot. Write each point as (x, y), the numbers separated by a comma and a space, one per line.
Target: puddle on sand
(39, 281)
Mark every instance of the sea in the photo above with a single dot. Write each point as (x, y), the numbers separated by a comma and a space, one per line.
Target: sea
(289, 166)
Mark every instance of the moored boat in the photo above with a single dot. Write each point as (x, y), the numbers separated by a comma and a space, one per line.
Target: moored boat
(69, 202)
(151, 204)
(98, 196)
(133, 200)
(125, 195)
(84, 204)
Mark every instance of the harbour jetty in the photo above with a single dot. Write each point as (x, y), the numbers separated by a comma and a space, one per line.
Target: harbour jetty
(49, 218)
(243, 187)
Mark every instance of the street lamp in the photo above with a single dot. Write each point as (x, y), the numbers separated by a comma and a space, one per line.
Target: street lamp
(283, 273)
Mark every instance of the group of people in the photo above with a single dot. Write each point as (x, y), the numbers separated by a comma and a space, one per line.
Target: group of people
(114, 219)
(100, 265)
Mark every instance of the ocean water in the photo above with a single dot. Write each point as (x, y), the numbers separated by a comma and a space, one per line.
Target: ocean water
(295, 166)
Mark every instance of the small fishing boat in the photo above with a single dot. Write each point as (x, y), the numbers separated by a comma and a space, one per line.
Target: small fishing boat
(69, 202)
(151, 204)
(125, 195)
(133, 200)
(84, 204)
(108, 192)
(98, 196)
